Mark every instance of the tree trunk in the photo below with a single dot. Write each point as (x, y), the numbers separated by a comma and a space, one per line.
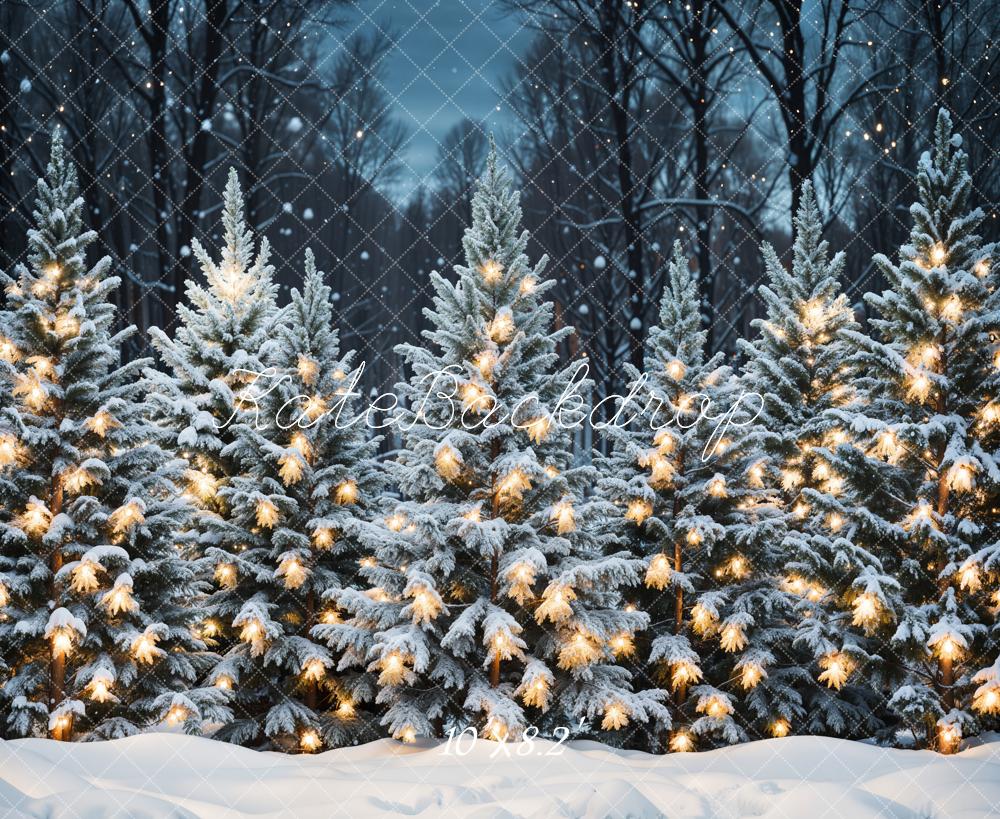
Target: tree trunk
(57, 662)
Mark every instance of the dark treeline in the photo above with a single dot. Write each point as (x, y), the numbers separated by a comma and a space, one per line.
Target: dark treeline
(631, 124)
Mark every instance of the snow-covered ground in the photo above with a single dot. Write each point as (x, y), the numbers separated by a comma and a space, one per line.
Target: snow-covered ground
(178, 776)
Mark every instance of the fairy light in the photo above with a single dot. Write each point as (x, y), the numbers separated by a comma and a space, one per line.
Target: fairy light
(307, 368)
(703, 620)
(969, 578)
(664, 441)
(66, 325)
(30, 388)
(867, 610)
(144, 647)
(676, 369)
(683, 673)
(84, 577)
(10, 451)
(425, 606)
(528, 285)
(658, 573)
(948, 647)
(393, 669)
(8, 350)
(887, 446)
(408, 735)
(291, 469)
(491, 271)
(4, 595)
(837, 667)
(563, 516)
(813, 315)
(780, 728)
(267, 513)
(176, 715)
(322, 537)
(578, 651)
(615, 716)
(367, 563)
(715, 707)
(310, 741)
(120, 598)
(485, 361)
(951, 308)
(949, 737)
(501, 329)
(223, 682)
(961, 477)
(681, 742)
(755, 475)
(638, 511)
(790, 479)
(395, 522)
(313, 670)
(555, 604)
(920, 515)
(538, 428)
(694, 537)
(345, 710)
(981, 268)
(294, 572)
(751, 674)
(717, 487)
(346, 493)
(314, 407)
(100, 687)
(62, 641)
(835, 521)
(733, 637)
(300, 443)
(800, 510)
(35, 519)
(938, 254)
(536, 693)
(513, 486)
(125, 517)
(622, 645)
(474, 398)
(447, 463)
(986, 700)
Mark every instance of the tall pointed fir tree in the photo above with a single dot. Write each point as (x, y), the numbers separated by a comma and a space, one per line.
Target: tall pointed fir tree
(495, 597)
(95, 625)
(308, 481)
(928, 471)
(666, 475)
(218, 349)
(835, 591)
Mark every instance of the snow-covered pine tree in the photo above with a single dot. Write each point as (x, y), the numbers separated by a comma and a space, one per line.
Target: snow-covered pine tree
(666, 475)
(95, 626)
(843, 594)
(309, 478)
(928, 474)
(495, 599)
(206, 391)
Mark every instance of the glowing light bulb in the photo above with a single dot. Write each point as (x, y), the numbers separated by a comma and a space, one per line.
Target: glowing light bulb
(780, 728)
(100, 688)
(981, 268)
(733, 637)
(8, 350)
(683, 673)
(528, 285)
(30, 388)
(408, 735)
(144, 647)
(474, 398)
(938, 254)
(35, 519)
(10, 451)
(513, 486)
(294, 572)
(120, 597)
(837, 667)
(310, 741)
(395, 522)
(538, 428)
(987, 699)
(969, 578)
(485, 361)
(393, 669)
(447, 462)
(658, 573)
(345, 710)
(638, 511)
(308, 369)
(867, 610)
(501, 329)
(717, 487)
(681, 742)
(491, 270)
(693, 537)
(615, 717)
(563, 516)
(750, 675)
(313, 670)
(664, 441)
(961, 477)
(703, 620)
(346, 493)
(425, 606)
(125, 517)
(224, 682)
(676, 369)
(322, 537)
(66, 326)
(951, 309)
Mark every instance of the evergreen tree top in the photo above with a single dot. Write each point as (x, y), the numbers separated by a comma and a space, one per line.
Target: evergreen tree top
(679, 334)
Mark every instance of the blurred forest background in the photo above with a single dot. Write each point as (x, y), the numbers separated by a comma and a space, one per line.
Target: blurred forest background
(627, 124)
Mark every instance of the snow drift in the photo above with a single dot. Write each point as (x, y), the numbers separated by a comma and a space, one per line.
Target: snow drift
(168, 775)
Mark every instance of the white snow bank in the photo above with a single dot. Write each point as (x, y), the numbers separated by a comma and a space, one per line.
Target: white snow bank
(177, 776)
